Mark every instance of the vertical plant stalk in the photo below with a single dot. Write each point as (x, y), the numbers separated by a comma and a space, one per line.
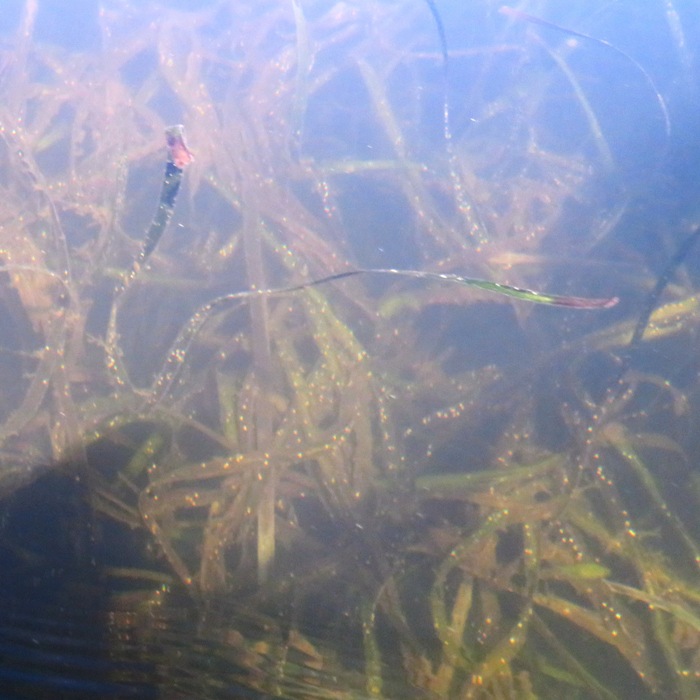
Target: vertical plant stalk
(475, 224)
(262, 362)
(304, 56)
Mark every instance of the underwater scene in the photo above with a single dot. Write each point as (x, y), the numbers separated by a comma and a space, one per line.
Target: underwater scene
(349, 349)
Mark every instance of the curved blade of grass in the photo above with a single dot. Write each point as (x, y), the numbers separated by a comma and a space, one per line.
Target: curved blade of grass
(678, 611)
(486, 285)
(520, 15)
(182, 344)
(593, 123)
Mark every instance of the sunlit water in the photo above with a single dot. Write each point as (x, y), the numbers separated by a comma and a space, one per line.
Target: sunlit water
(380, 486)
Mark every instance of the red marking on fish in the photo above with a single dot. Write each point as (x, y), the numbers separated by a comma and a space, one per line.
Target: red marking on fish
(179, 154)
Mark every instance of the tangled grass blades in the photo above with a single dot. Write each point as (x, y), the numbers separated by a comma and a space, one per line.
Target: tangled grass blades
(286, 393)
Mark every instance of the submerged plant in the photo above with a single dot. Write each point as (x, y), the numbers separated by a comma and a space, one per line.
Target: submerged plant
(305, 394)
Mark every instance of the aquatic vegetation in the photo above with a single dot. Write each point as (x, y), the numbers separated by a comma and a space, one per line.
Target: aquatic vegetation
(321, 390)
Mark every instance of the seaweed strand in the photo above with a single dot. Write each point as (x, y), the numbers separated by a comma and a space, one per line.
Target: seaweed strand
(477, 228)
(182, 344)
(520, 15)
(664, 278)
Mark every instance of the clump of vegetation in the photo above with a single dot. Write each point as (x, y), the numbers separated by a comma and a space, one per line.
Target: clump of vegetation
(473, 496)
